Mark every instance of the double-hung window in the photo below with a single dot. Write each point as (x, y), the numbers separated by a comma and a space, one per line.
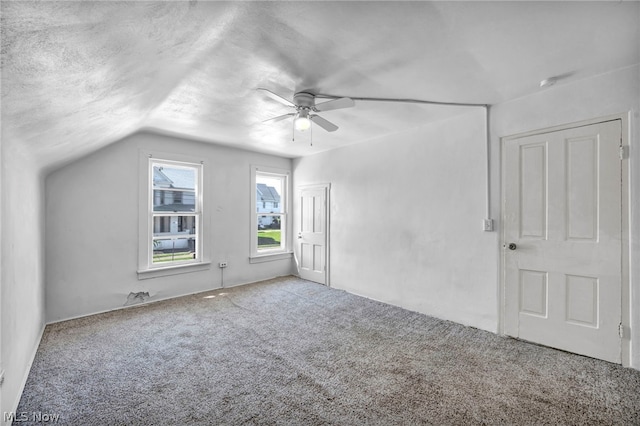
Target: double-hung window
(270, 211)
(174, 212)
(171, 217)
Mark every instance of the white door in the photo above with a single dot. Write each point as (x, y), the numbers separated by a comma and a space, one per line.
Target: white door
(311, 250)
(563, 239)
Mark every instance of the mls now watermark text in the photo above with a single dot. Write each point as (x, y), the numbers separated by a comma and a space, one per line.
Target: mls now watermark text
(34, 416)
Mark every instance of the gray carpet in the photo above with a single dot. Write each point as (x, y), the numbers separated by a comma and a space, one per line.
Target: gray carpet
(287, 351)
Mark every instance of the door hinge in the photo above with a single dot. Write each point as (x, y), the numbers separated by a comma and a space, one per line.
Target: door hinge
(621, 330)
(624, 152)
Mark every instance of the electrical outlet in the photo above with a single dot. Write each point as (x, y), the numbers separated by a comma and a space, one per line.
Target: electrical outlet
(222, 264)
(487, 225)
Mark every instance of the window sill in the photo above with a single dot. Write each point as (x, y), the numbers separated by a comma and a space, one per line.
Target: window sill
(260, 258)
(173, 270)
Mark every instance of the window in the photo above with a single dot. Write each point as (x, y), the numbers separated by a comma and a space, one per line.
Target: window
(171, 223)
(270, 215)
(174, 212)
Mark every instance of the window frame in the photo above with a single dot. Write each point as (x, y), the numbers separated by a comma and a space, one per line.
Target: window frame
(146, 267)
(261, 255)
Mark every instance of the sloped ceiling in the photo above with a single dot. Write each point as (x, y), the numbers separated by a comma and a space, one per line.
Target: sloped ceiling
(77, 76)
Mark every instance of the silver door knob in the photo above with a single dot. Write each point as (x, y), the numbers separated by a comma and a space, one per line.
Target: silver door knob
(299, 236)
(512, 246)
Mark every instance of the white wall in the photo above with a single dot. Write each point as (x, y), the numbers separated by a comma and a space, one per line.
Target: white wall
(22, 276)
(92, 227)
(600, 96)
(406, 220)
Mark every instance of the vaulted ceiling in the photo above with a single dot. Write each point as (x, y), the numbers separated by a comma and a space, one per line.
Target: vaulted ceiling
(77, 76)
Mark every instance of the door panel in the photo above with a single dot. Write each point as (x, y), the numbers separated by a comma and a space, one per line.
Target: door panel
(533, 187)
(562, 210)
(582, 300)
(533, 293)
(582, 189)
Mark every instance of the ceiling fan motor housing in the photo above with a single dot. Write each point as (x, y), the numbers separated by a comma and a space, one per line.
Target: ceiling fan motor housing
(304, 100)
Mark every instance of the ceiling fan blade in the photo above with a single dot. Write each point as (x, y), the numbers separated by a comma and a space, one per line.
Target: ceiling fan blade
(277, 97)
(325, 124)
(280, 117)
(335, 104)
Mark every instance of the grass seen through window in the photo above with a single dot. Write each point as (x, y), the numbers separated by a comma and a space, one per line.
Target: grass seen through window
(269, 238)
(159, 257)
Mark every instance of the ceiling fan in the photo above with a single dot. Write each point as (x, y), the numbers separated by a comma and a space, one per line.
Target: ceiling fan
(305, 106)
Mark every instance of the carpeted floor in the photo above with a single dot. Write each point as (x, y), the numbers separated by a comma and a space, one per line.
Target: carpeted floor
(288, 351)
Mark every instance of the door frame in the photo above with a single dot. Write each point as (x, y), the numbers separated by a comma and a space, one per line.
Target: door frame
(624, 188)
(297, 224)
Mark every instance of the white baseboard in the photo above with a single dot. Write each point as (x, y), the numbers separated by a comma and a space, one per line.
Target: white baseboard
(34, 351)
(161, 299)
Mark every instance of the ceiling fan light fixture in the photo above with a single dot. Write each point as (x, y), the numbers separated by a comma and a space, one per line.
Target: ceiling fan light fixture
(302, 121)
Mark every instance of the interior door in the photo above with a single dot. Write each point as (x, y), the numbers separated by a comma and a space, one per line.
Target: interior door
(312, 236)
(563, 239)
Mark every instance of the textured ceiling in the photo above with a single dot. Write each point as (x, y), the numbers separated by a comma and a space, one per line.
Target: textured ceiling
(77, 76)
